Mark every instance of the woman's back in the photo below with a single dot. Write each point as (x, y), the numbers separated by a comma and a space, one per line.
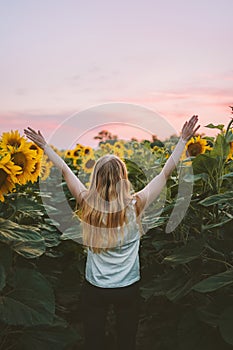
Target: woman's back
(118, 266)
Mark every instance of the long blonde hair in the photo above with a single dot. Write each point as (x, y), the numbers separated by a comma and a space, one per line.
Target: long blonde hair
(103, 207)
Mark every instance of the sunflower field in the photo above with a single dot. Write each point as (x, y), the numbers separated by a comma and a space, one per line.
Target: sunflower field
(187, 274)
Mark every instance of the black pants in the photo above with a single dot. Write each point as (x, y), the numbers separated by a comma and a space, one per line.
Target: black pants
(126, 303)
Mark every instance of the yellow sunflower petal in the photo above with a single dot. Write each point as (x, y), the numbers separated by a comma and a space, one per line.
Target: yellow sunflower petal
(26, 158)
(8, 175)
(12, 139)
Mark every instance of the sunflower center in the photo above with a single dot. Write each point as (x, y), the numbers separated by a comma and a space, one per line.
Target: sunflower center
(90, 163)
(3, 176)
(194, 149)
(77, 152)
(20, 159)
(14, 142)
(33, 147)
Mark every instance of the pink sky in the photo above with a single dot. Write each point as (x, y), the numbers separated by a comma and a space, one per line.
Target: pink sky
(63, 57)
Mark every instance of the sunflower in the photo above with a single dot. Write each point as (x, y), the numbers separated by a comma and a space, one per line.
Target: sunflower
(36, 172)
(88, 151)
(37, 169)
(45, 167)
(26, 158)
(69, 153)
(196, 146)
(39, 151)
(12, 139)
(230, 155)
(118, 152)
(135, 145)
(119, 144)
(88, 164)
(106, 147)
(129, 152)
(157, 149)
(8, 175)
(76, 163)
(77, 152)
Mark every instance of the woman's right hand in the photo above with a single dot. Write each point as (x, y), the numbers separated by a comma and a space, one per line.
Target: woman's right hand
(189, 129)
(36, 137)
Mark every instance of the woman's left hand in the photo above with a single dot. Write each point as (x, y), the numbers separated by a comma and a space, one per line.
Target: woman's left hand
(189, 129)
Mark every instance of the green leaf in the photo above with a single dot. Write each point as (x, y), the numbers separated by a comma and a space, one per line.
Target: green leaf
(196, 177)
(229, 137)
(134, 169)
(30, 302)
(152, 221)
(226, 176)
(175, 284)
(25, 240)
(2, 277)
(212, 126)
(205, 163)
(221, 147)
(193, 334)
(151, 289)
(163, 244)
(74, 232)
(214, 282)
(27, 204)
(226, 325)
(49, 338)
(210, 313)
(181, 287)
(219, 224)
(217, 199)
(5, 256)
(30, 249)
(183, 255)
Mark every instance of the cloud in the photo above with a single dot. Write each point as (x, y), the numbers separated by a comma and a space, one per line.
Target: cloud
(205, 96)
(21, 91)
(35, 119)
(190, 92)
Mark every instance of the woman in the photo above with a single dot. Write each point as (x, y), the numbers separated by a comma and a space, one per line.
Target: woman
(110, 216)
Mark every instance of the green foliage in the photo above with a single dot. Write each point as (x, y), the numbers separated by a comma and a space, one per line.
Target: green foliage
(32, 264)
(190, 269)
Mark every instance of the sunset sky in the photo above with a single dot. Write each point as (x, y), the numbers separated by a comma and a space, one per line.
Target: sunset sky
(57, 58)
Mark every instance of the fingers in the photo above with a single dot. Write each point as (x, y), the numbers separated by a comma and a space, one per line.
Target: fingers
(32, 130)
(196, 128)
(32, 134)
(189, 128)
(193, 120)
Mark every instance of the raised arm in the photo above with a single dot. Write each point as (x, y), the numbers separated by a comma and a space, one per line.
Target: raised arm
(151, 191)
(75, 186)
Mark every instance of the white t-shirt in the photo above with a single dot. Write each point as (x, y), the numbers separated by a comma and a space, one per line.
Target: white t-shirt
(118, 267)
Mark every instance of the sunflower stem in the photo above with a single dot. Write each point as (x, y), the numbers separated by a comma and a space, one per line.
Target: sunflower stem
(228, 127)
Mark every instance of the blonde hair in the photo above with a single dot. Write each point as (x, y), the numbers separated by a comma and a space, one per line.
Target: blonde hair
(103, 207)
